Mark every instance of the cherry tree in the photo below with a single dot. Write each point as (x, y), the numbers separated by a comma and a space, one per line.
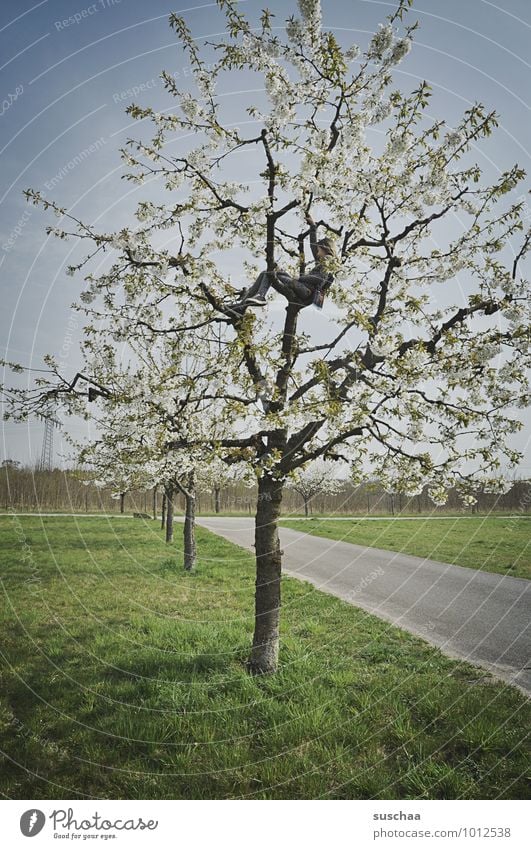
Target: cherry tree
(320, 477)
(215, 475)
(130, 453)
(152, 429)
(109, 468)
(154, 424)
(423, 361)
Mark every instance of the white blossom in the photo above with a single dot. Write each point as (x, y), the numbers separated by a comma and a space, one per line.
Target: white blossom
(454, 138)
(189, 106)
(174, 180)
(310, 11)
(400, 49)
(438, 494)
(381, 41)
(397, 148)
(352, 53)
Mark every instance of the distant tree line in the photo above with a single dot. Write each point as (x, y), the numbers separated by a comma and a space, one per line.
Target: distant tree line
(28, 489)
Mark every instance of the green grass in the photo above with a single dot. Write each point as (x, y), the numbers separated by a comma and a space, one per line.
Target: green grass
(123, 677)
(491, 544)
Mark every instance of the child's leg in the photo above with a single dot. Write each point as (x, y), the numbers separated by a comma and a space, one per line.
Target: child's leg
(254, 295)
(258, 291)
(256, 288)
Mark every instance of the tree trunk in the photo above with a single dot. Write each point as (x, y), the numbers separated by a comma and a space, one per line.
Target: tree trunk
(187, 490)
(189, 532)
(163, 512)
(306, 511)
(264, 654)
(217, 500)
(155, 502)
(169, 515)
(122, 502)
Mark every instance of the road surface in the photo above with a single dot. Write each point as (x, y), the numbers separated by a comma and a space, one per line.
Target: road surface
(477, 616)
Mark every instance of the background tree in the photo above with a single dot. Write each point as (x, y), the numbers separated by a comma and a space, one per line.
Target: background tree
(215, 476)
(156, 422)
(317, 478)
(417, 379)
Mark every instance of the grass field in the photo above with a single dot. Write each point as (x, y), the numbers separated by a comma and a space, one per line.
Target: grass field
(123, 677)
(492, 544)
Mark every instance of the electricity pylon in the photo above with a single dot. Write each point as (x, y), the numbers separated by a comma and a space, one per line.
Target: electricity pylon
(46, 461)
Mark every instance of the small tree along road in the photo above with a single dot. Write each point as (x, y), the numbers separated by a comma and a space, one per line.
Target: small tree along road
(316, 479)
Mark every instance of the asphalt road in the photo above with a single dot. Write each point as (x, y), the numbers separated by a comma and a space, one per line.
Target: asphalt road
(476, 616)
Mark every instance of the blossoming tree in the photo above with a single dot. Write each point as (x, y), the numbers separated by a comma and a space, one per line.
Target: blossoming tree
(320, 477)
(128, 454)
(423, 360)
(150, 431)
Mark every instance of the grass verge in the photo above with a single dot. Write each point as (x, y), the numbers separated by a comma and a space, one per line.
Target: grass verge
(123, 677)
(490, 544)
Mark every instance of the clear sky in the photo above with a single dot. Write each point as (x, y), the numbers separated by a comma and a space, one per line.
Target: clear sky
(69, 69)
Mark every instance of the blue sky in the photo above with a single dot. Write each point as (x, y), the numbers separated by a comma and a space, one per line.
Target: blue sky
(70, 69)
